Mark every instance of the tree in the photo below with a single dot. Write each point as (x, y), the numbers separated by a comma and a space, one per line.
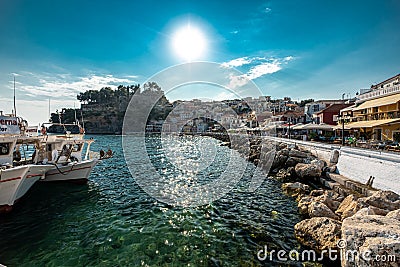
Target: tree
(105, 108)
(304, 102)
(152, 87)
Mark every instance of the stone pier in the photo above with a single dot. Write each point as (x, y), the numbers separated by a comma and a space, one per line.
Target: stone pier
(355, 165)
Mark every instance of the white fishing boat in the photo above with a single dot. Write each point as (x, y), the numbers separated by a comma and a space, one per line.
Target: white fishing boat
(64, 153)
(16, 181)
(77, 172)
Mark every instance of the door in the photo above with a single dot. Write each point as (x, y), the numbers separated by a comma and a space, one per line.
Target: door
(378, 134)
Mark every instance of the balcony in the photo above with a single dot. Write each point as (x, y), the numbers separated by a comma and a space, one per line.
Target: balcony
(377, 116)
(378, 93)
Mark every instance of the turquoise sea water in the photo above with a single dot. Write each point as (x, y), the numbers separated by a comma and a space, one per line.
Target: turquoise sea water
(111, 221)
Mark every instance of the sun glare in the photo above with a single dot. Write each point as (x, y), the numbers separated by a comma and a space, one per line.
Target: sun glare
(189, 43)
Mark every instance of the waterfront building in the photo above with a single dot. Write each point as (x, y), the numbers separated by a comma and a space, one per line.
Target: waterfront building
(316, 106)
(387, 87)
(376, 114)
(329, 115)
(289, 116)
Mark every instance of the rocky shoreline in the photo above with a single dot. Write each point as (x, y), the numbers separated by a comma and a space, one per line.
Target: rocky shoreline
(345, 221)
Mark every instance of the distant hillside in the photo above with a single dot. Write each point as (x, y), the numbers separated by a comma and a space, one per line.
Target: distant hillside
(103, 110)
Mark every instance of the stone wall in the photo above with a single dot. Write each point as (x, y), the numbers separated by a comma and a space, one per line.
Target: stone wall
(359, 164)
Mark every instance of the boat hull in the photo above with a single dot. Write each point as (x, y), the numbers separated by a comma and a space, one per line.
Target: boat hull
(16, 182)
(77, 172)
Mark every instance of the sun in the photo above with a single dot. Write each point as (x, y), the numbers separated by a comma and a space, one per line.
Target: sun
(189, 43)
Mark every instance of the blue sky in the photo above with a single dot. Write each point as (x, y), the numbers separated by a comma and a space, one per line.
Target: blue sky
(303, 49)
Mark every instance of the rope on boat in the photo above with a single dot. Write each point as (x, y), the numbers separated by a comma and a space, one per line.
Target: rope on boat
(60, 171)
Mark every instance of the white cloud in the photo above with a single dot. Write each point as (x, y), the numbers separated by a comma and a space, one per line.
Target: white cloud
(260, 66)
(237, 62)
(263, 69)
(236, 81)
(63, 86)
(34, 90)
(267, 10)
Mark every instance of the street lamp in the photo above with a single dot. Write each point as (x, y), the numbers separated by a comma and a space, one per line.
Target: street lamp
(342, 130)
(342, 119)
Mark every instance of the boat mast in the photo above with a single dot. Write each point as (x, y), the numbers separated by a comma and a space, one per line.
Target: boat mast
(15, 106)
(49, 116)
(83, 122)
(76, 120)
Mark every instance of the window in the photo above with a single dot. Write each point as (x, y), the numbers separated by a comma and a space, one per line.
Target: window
(396, 136)
(76, 147)
(5, 148)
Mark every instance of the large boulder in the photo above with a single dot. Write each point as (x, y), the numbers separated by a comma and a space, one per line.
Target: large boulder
(283, 175)
(382, 251)
(318, 233)
(304, 203)
(318, 162)
(368, 236)
(349, 206)
(319, 209)
(334, 159)
(331, 169)
(284, 152)
(317, 192)
(297, 154)
(279, 161)
(308, 170)
(365, 211)
(295, 189)
(328, 197)
(331, 199)
(282, 146)
(293, 161)
(395, 214)
(386, 200)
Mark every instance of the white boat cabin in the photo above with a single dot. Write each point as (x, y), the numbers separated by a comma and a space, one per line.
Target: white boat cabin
(7, 145)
